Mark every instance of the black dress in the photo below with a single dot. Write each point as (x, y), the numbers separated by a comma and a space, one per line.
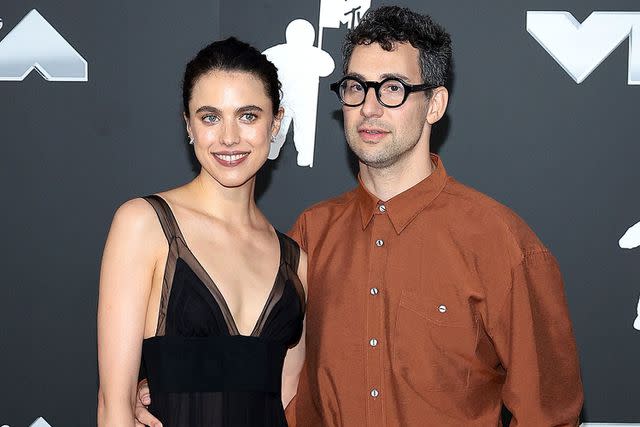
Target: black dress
(201, 371)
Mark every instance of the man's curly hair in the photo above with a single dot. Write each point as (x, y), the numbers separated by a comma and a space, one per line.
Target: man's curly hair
(388, 25)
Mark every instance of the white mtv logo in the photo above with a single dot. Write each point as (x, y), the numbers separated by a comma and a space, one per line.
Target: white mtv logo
(334, 13)
(35, 44)
(581, 48)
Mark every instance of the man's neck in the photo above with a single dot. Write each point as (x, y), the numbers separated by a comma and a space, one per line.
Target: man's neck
(386, 183)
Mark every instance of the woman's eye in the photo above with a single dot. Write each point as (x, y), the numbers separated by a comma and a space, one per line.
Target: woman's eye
(210, 118)
(248, 117)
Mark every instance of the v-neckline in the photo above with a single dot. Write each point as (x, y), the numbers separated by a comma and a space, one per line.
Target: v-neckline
(234, 325)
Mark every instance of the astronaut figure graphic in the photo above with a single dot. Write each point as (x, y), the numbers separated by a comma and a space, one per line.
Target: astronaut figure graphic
(300, 66)
(636, 323)
(630, 240)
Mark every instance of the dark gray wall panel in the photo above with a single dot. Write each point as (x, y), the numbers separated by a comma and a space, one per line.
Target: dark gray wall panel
(563, 155)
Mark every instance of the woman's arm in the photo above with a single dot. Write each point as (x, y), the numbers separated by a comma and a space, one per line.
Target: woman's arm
(126, 279)
(295, 356)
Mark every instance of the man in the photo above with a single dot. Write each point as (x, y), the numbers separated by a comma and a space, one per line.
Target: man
(429, 303)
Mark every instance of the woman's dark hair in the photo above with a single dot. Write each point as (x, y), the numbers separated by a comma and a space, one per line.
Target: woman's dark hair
(388, 25)
(231, 55)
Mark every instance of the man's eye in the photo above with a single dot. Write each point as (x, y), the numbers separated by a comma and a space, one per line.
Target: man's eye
(355, 87)
(392, 87)
(210, 118)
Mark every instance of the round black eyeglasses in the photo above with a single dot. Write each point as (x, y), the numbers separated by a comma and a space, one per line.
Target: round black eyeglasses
(390, 92)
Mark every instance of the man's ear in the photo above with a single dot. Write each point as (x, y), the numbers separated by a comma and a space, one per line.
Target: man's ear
(437, 104)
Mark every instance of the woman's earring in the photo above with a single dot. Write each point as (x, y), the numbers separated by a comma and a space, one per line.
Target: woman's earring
(191, 141)
(273, 139)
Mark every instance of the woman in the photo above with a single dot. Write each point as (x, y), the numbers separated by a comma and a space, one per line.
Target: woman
(195, 280)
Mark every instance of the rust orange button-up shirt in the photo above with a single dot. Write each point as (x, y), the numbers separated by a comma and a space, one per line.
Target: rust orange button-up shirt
(432, 309)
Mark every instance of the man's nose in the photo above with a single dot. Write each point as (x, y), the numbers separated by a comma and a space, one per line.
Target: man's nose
(371, 107)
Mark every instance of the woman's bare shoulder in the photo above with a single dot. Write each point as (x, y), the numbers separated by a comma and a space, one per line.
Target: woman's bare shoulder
(135, 214)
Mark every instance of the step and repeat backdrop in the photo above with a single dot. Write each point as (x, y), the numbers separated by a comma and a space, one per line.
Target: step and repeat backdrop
(544, 117)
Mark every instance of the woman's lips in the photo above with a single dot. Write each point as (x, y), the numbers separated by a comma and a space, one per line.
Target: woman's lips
(230, 159)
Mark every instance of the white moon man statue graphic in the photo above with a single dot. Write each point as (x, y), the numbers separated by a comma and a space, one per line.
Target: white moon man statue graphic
(300, 66)
(630, 240)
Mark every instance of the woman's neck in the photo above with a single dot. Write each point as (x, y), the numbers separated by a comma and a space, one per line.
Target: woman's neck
(232, 205)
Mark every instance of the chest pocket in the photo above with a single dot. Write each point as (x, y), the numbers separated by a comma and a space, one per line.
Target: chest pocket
(434, 342)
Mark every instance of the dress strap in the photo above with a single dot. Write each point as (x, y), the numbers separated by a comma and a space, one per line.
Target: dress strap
(165, 215)
(176, 242)
(290, 251)
(291, 257)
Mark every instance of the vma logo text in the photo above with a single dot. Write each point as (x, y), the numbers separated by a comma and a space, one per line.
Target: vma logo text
(35, 44)
(581, 48)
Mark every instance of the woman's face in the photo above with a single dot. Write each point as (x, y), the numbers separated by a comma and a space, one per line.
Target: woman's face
(231, 121)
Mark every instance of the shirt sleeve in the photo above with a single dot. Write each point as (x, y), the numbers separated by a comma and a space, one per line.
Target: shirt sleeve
(290, 412)
(298, 232)
(534, 340)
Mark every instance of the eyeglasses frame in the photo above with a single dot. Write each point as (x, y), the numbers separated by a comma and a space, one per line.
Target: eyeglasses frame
(367, 84)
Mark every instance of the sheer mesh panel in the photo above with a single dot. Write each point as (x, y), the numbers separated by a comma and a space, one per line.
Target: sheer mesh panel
(287, 270)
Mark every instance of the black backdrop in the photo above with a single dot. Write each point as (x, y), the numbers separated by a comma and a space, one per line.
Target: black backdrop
(563, 155)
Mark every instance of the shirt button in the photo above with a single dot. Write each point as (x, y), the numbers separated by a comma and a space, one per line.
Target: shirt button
(375, 393)
(374, 291)
(379, 242)
(382, 208)
(373, 342)
(442, 308)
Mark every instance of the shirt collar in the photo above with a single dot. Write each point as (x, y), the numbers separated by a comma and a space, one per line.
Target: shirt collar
(404, 207)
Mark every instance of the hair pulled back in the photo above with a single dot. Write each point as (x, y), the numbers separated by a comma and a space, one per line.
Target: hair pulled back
(231, 55)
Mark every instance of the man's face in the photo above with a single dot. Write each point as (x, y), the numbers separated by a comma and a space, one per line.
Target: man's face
(378, 135)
